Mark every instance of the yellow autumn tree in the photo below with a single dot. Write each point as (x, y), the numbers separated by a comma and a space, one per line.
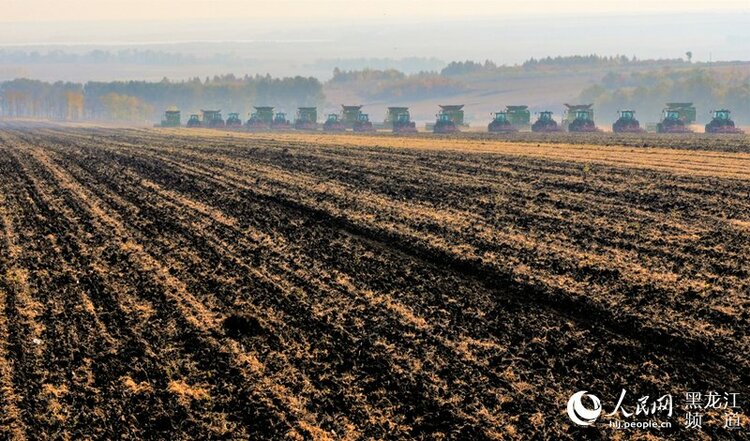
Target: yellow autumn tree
(74, 105)
(125, 107)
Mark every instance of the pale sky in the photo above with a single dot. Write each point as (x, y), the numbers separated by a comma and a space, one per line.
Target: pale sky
(160, 10)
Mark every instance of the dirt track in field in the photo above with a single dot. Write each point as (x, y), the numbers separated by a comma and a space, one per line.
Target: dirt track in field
(182, 285)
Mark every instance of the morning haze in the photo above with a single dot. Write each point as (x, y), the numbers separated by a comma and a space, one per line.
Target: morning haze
(106, 41)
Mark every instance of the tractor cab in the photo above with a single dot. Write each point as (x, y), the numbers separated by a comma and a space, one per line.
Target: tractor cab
(501, 124)
(545, 116)
(501, 117)
(626, 115)
(582, 115)
(721, 115)
(332, 117)
(671, 115)
(280, 117)
(363, 118)
(403, 117)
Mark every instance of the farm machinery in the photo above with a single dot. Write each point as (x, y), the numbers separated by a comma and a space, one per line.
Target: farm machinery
(350, 115)
(400, 119)
(171, 118)
(519, 117)
(194, 121)
(353, 118)
(722, 123)
(626, 123)
(212, 118)
(333, 123)
(363, 124)
(449, 119)
(672, 123)
(233, 120)
(501, 124)
(686, 111)
(545, 123)
(455, 113)
(444, 124)
(261, 119)
(280, 122)
(307, 118)
(580, 118)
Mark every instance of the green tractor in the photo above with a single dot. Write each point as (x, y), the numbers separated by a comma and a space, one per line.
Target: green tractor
(400, 119)
(444, 124)
(627, 123)
(363, 123)
(233, 120)
(307, 118)
(672, 122)
(722, 123)
(501, 124)
(194, 121)
(545, 123)
(402, 123)
(261, 119)
(350, 115)
(280, 122)
(688, 113)
(333, 123)
(212, 118)
(450, 119)
(579, 118)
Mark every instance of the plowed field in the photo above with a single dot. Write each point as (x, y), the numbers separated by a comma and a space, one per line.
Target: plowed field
(177, 284)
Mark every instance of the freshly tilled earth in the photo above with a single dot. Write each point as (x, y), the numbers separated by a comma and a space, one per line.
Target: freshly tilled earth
(168, 284)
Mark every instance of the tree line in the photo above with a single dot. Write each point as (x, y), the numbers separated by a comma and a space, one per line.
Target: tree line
(391, 84)
(144, 101)
(534, 66)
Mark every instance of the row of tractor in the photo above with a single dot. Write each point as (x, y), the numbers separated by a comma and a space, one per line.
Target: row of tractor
(676, 118)
(265, 118)
(578, 118)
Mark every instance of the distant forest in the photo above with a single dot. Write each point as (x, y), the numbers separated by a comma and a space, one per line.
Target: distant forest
(145, 101)
(392, 84)
(535, 66)
(645, 89)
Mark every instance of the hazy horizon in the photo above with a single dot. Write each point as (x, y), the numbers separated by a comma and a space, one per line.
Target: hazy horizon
(284, 47)
(197, 39)
(37, 11)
